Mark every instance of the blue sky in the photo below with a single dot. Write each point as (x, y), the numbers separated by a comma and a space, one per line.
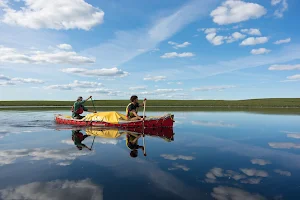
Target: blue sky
(196, 49)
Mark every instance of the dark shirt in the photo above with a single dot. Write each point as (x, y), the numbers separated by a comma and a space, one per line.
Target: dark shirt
(132, 107)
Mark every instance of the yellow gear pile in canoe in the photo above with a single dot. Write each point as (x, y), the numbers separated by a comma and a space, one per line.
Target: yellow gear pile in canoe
(111, 117)
(104, 133)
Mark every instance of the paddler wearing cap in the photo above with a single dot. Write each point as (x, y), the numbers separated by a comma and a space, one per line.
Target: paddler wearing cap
(78, 108)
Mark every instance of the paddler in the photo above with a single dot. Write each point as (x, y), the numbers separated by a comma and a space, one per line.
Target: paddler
(132, 108)
(132, 144)
(78, 108)
(78, 137)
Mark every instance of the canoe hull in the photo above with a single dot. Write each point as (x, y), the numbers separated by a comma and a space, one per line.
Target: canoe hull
(164, 121)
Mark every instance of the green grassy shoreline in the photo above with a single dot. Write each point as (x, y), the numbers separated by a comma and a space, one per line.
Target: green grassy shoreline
(259, 106)
(257, 103)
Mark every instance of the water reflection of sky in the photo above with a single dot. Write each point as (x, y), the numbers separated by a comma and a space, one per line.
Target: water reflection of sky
(214, 155)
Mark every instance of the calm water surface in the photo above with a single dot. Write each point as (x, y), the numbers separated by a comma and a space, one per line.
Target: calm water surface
(213, 155)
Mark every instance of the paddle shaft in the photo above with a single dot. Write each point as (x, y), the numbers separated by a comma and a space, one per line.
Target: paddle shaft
(144, 109)
(93, 104)
(144, 128)
(93, 142)
(144, 144)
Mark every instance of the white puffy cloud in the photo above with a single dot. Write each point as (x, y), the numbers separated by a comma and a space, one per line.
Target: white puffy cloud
(7, 83)
(209, 88)
(108, 92)
(215, 173)
(155, 78)
(212, 124)
(260, 162)
(164, 93)
(27, 80)
(178, 83)
(230, 193)
(58, 155)
(3, 133)
(252, 181)
(3, 4)
(275, 2)
(251, 31)
(11, 55)
(233, 11)
(255, 172)
(177, 166)
(64, 46)
(287, 40)
(57, 189)
(176, 157)
(283, 173)
(15, 81)
(167, 90)
(283, 7)
(254, 41)
(209, 30)
(5, 78)
(75, 85)
(294, 77)
(292, 134)
(69, 142)
(235, 37)
(212, 37)
(138, 88)
(284, 67)
(177, 46)
(54, 14)
(235, 175)
(284, 145)
(177, 55)
(260, 51)
(111, 72)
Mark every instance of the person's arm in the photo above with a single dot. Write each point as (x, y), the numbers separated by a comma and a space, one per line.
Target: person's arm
(88, 98)
(130, 109)
(144, 101)
(83, 101)
(85, 136)
(86, 147)
(135, 139)
(135, 114)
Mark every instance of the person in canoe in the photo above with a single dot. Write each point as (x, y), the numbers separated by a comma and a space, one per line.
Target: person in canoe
(132, 109)
(132, 144)
(78, 108)
(78, 137)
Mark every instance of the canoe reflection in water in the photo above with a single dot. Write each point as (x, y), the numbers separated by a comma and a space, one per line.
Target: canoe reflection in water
(132, 135)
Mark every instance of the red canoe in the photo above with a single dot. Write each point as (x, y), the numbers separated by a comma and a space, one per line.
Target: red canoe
(162, 121)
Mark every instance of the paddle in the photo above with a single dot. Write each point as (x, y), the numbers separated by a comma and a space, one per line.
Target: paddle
(144, 109)
(93, 104)
(144, 144)
(93, 143)
(144, 127)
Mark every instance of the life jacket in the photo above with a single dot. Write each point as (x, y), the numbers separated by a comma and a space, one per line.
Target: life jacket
(127, 111)
(130, 145)
(77, 137)
(78, 111)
